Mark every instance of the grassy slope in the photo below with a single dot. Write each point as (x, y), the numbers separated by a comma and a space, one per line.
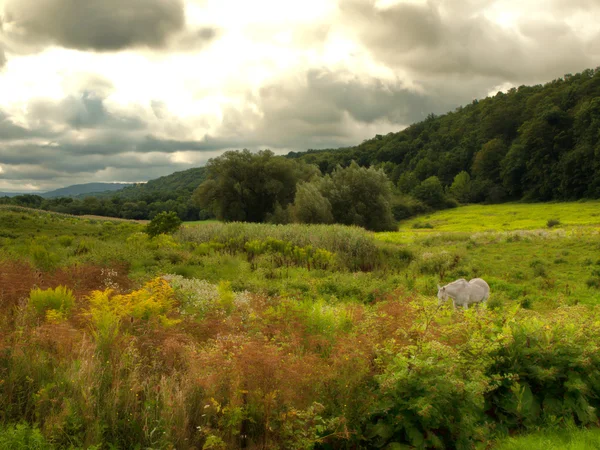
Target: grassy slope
(509, 216)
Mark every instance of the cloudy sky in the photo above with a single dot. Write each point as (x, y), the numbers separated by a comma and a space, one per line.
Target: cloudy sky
(128, 90)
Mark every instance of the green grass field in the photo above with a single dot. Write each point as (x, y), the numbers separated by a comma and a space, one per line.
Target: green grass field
(512, 247)
(508, 217)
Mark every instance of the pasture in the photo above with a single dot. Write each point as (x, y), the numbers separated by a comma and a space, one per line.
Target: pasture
(297, 336)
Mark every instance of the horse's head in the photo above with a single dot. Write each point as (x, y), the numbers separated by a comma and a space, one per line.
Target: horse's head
(442, 294)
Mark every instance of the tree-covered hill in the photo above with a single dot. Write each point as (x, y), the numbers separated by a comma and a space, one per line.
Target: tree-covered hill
(138, 201)
(169, 187)
(533, 142)
(87, 189)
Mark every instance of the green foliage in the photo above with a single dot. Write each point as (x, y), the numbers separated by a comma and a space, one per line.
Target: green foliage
(244, 186)
(42, 257)
(461, 187)
(22, 437)
(552, 223)
(59, 299)
(310, 206)
(430, 192)
(359, 196)
(354, 247)
(429, 397)
(163, 223)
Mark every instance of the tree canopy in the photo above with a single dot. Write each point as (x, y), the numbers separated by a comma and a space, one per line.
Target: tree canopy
(246, 186)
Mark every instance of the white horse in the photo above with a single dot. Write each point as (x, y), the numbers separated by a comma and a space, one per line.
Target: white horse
(464, 293)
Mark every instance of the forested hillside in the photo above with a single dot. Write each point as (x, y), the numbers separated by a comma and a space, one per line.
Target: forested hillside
(533, 142)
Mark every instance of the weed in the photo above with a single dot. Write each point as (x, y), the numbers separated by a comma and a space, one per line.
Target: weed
(59, 300)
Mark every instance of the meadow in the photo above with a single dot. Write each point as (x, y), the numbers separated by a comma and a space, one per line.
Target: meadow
(297, 336)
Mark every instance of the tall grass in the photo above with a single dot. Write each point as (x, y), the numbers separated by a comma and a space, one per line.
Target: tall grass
(356, 247)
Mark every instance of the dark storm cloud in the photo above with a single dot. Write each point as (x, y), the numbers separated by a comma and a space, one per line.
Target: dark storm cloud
(81, 111)
(100, 25)
(326, 109)
(440, 38)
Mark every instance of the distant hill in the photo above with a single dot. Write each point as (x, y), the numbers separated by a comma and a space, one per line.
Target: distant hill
(78, 190)
(169, 187)
(10, 194)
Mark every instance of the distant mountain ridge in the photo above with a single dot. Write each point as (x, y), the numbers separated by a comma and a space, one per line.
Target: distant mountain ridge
(78, 190)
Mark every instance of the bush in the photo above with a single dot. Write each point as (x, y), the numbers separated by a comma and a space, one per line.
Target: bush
(163, 223)
(65, 241)
(22, 437)
(60, 300)
(593, 282)
(430, 192)
(552, 223)
(310, 206)
(405, 206)
(42, 258)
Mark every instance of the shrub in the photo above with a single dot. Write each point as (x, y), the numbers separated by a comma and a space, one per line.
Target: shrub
(83, 247)
(539, 268)
(22, 437)
(422, 225)
(552, 223)
(593, 282)
(163, 223)
(42, 258)
(310, 206)
(65, 241)
(428, 398)
(60, 299)
(430, 192)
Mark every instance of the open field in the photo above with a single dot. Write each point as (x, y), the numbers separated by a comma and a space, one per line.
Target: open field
(296, 336)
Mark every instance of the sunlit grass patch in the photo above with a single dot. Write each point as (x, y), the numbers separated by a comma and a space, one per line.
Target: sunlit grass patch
(571, 439)
(508, 216)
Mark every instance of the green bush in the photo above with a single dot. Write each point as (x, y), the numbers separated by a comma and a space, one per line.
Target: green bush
(65, 241)
(163, 223)
(22, 437)
(60, 299)
(552, 223)
(428, 397)
(42, 258)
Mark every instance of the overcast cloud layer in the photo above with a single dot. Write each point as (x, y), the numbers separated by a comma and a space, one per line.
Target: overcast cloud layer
(128, 90)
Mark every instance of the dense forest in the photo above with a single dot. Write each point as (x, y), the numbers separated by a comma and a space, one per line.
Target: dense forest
(532, 143)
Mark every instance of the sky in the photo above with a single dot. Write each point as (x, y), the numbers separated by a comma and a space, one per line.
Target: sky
(129, 90)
